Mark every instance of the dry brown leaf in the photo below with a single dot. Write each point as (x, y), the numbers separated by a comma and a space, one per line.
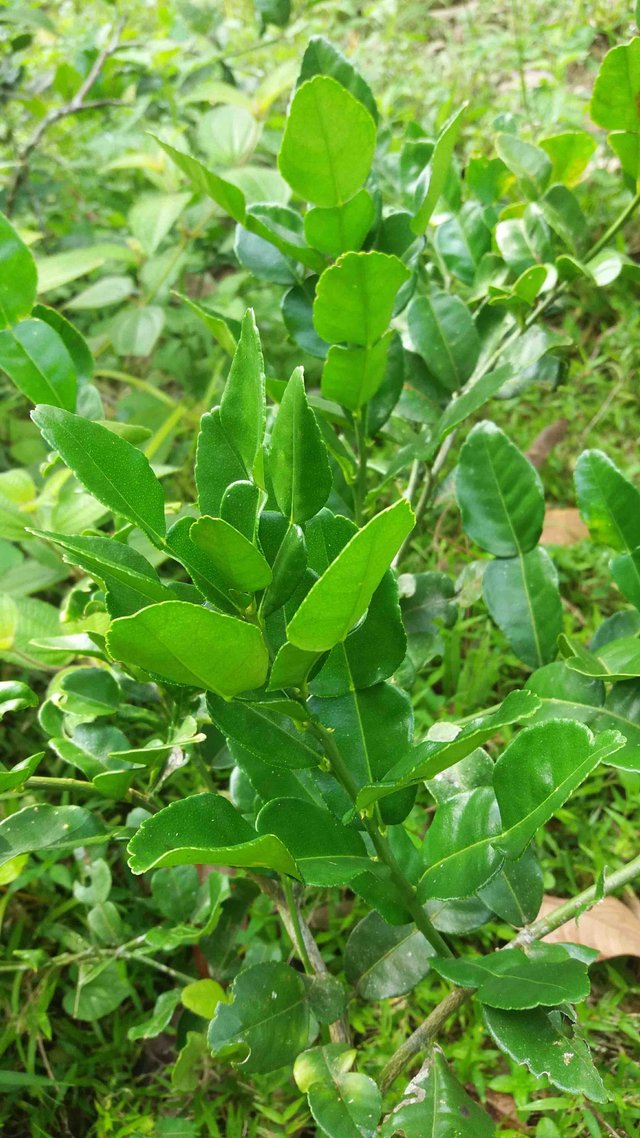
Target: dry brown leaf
(563, 526)
(503, 1108)
(610, 926)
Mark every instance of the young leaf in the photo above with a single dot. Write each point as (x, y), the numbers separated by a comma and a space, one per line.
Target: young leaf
(326, 852)
(240, 507)
(352, 376)
(530, 164)
(18, 775)
(242, 407)
(382, 960)
(541, 1041)
(614, 102)
(18, 279)
(435, 1105)
(438, 169)
(355, 297)
(298, 463)
(339, 228)
(499, 493)
(321, 164)
(238, 562)
(14, 695)
(513, 981)
(46, 827)
(36, 359)
(72, 339)
(205, 829)
(207, 580)
(344, 1104)
(608, 502)
(444, 334)
(267, 1023)
(110, 468)
(522, 596)
(218, 464)
(187, 644)
(343, 593)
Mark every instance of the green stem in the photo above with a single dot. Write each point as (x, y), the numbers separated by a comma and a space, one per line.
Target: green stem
(381, 845)
(294, 914)
(360, 483)
(424, 1035)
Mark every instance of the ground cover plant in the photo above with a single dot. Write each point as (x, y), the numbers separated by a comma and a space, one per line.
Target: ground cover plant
(299, 762)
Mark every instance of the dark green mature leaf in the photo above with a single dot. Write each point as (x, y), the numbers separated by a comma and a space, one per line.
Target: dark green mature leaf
(298, 462)
(207, 579)
(614, 102)
(322, 58)
(14, 696)
(355, 297)
(267, 1023)
(499, 493)
(335, 603)
(539, 1039)
(110, 468)
(513, 981)
(438, 169)
(339, 228)
(431, 757)
(609, 504)
(472, 398)
(522, 596)
(187, 644)
(36, 359)
(321, 164)
(18, 775)
(625, 570)
(538, 771)
(618, 659)
(72, 339)
(48, 828)
(383, 960)
(18, 279)
(326, 852)
(458, 849)
(205, 829)
(242, 407)
(130, 580)
(436, 1106)
(344, 1104)
(237, 560)
(444, 335)
(224, 193)
(515, 893)
(269, 734)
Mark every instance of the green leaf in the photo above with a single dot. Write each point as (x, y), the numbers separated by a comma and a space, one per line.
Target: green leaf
(499, 493)
(46, 827)
(224, 193)
(459, 847)
(135, 331)
(355, 297)
(531, 166)
(326, 852)
(352, 376)
(20, 772)
(625, 570)
(609, 504)
(539, 771)
(62, 268)
(240, 563)
(130, 580)
(322, 58)
(152, 216)
(614, 102)
(570, 153)
(74, 342)
(108, 290)
(101, 988)
(298, 462)
(160, 1018)
(618, 659)
(383, 960)
(323, 165)
(522, 596)
(338, 229)
(436, 1106)
(242, 407)
(190, 645)
(88, 692)
(513, 981)
(444, 334)
(471, 399)
(14, 696)
(343, 593)
(205, 829)
(36, 359)
(515, 893)
(438, 169)
(217, 325)
(110, 468)
(539, 1040)
(267, 1023)
(428, 759)
(270, 735)
(17, 276)
(344, 1104)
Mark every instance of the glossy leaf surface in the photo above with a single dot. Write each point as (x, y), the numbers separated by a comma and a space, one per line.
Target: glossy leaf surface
(267, 1022)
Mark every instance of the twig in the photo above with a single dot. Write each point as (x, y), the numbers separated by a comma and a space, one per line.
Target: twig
(426, 1033)
(75, 106)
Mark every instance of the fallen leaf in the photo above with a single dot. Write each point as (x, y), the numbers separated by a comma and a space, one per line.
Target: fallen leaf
(610, 927)
(563, 526)
(503, 1108)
